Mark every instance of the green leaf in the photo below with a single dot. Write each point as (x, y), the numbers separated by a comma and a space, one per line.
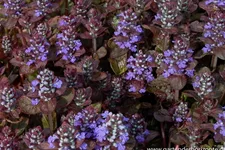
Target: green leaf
(97, 106)
(20, 126)
(119, 64)
(45, 121)
(211, 142)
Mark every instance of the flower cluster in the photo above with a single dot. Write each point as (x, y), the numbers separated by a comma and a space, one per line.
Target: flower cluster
(7, 100)
(88, 67)
(216, 2)
(137, 127)
(220, 128)
(127, 31)
(85, 122)
(117, 89)
(82, 97)
(139, 69)
(34, 137)
(46, 85)
(113, 130)
(6, 44)
(80, 8)
(13, 8)
(66, 21)
(180, 112)
(37, 50)
(108, 130)
(167, 13)
(94, 24)
(68, 45)
(42, 30)
(178, 59)
(182, 5)
(65, 134)
(71, 78)
(42, 7)
(214, 30)
(7, 139)
(203, 84)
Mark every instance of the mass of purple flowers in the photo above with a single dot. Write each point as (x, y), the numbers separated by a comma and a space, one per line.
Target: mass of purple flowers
(214, 30)
(13, 7)
(68, 45)
(139, 69)
(178, 58)
(217, 2)
(42, 7)
(109, 130)
(127, 31)
(203, 84)
(219, 127)
(112, 74)
(37, 50)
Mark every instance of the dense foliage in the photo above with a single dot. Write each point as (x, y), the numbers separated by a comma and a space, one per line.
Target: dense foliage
(112, 74)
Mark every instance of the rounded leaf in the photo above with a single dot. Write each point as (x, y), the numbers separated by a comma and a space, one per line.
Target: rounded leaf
(27, 107)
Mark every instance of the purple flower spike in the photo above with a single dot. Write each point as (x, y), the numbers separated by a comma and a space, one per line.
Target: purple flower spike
(214, 29)
(37, 50)
(68, 45)
(139, 69)
(176, 60)
(128, 32)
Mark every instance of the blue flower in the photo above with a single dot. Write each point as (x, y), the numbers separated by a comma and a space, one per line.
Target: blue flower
(129, 30)
(52, 139)
(57, 84)
(177, 60)
(68, 45)
(101, 132)
(37, 50)
(35, 101)
(132, 88)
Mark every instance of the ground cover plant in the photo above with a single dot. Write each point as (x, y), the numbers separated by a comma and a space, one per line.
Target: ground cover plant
(112, 74)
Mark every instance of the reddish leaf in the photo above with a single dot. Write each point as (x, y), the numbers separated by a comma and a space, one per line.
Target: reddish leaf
(17, 62)
(178, 138)
(220, 52)
(26, 69)
(45, 146)
(27, 107)
(66, 98)
(193, 94)
(196, 26)
(163, 115)
(98, 76)
(101, 52)
(48, 107)
(177, 82)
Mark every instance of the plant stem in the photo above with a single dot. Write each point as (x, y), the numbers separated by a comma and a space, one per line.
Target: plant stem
(66, 7)
(176, 95)
(50, 121)
(214, 62)
(176, 147)
(163, 134)
(94, 44)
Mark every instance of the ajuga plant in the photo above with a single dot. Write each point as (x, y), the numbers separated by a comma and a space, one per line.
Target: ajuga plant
(112, 74)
